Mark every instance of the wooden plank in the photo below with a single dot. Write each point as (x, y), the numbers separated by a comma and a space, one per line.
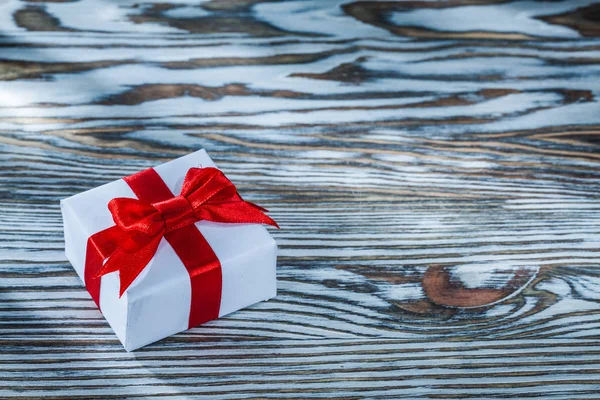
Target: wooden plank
(305, 368)
(434, 166)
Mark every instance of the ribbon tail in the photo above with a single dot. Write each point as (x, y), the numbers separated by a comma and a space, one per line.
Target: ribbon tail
(130, 259)
(99, 246)
(236, 211)
(256, 206)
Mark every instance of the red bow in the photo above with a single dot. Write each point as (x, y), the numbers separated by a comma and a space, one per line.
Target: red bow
(206, 195)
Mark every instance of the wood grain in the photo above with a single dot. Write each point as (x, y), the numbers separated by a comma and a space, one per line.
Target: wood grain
(434, 166)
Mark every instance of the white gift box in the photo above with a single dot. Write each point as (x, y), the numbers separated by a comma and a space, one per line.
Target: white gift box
(157, 304)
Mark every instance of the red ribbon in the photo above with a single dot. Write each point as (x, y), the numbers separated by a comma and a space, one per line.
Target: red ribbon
(141, 223)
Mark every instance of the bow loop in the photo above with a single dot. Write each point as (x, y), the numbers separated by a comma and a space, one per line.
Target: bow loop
(214, 198)
(205, 186)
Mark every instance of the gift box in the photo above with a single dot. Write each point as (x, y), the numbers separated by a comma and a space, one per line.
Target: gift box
(169, 248)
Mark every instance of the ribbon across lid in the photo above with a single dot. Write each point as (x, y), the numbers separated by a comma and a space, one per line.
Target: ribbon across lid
(140, 225)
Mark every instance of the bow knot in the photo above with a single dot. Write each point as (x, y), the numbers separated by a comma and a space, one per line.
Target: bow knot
(176, 212)
(206, 194)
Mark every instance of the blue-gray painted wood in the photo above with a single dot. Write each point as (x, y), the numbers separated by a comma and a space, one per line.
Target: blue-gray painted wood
(434, 166)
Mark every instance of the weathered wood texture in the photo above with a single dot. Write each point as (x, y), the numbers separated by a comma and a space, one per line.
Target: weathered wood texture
(434, 166)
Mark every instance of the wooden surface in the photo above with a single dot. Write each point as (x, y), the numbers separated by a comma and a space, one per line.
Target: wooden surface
(434, 166)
